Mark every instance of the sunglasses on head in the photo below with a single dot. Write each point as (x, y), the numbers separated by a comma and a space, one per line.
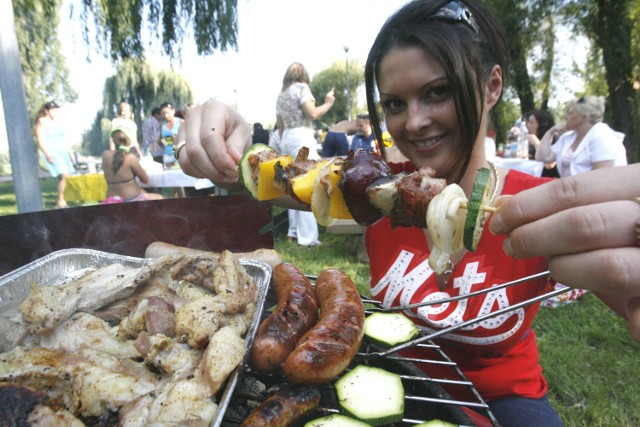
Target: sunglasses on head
(455, 12)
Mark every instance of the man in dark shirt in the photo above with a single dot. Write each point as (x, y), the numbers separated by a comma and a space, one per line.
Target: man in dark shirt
(364, 137)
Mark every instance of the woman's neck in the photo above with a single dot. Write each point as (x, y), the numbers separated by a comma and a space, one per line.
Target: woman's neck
(581, 131)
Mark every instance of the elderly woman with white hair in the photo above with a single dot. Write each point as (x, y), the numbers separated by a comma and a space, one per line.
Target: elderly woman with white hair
(586, 142)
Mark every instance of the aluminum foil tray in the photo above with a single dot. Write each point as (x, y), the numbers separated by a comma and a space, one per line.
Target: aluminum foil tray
(62, 266)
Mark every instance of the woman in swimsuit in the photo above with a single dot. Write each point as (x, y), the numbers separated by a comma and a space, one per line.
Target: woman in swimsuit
(121, 169)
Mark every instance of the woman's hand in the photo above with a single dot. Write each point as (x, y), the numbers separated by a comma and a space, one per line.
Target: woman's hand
(586, 225)
(216, 135)
(330, 97)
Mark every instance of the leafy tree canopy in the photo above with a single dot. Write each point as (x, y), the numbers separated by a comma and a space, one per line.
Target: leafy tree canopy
(120, 24)
(335, 76)
(45, 73)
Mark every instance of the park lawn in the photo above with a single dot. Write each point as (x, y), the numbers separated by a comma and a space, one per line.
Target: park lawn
(588, 358)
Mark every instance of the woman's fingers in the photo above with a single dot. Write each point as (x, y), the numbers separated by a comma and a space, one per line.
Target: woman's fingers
(216, 136)
(585, 228)
(602, 185)
(608, 271)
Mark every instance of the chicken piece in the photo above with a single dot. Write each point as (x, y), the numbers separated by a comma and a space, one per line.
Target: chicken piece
(235, 291)
(158, 249)
(200, 319)
(85, 330)
(189, 291)
(224, 353)
(88, 383)
(241, 321)
(167, 354)
(21, 405)
(153, 315)
(190, 400)
(154, 287)
(48, 306)
(231, 279)
(39, 369)
(44, 416)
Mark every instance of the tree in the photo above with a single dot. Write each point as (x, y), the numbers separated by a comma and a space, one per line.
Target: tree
(45, 74)
(144, 88)
(120, 25)
(335, 77)
(610, 25)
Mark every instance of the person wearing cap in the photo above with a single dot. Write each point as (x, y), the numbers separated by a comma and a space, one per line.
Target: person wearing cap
(53, 148)
(121, 168)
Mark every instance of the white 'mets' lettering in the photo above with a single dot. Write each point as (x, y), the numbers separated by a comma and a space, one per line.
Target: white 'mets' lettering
(402, 285)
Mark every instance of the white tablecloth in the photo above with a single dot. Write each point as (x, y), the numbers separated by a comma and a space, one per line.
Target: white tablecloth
(175, 178)
(532, 167)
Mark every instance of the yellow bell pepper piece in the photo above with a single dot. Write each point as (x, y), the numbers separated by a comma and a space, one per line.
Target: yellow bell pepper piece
(266, 189)
(337, 206)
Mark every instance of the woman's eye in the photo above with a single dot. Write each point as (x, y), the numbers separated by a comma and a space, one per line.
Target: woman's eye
(392, 105)
(438, 93)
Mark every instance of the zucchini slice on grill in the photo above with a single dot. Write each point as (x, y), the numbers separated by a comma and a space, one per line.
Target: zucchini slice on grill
(372, 395)
(389, 329)
(336, 420)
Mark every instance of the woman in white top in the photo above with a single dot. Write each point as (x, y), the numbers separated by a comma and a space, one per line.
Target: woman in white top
(295, 110)
(587, 143)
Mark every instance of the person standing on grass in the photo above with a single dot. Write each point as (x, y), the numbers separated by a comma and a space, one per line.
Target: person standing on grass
(53, 147)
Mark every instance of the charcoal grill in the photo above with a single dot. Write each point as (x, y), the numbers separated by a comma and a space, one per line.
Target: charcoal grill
(425, 397)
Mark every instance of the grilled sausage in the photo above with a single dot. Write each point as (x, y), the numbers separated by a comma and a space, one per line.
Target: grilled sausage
(328, 348)
(284, 407)
(295, 314)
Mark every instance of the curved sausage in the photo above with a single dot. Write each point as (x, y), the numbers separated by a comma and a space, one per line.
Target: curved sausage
(328, 348)
(295, 314)
(284, 407)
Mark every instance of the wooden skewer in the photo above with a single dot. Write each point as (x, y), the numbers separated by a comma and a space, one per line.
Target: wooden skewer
(465, 205)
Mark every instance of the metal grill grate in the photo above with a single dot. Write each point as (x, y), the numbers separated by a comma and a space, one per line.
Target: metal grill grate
(425, 399)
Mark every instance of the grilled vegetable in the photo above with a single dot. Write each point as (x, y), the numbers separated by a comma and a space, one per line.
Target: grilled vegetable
(249, 162)
(389, 329)
(476, 217)
(372, 395)
(321, 198)
(336, 420)
(258, 171)
(383, 193)
(302, 185)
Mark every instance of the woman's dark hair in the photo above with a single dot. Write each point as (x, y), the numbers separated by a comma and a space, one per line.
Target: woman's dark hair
(466, 56)
(545, 122)
(119, 139)
(45, 109)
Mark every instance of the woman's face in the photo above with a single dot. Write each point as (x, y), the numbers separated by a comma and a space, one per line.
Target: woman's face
(419, 109)
(168, 113)
(53, 113)
(532, 125)
(125, 111)
(574, 118)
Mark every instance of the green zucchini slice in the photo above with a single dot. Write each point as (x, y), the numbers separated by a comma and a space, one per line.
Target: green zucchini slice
(336, 420)
(476, 217)
(372, 395)
(246, 171)
(389, 329)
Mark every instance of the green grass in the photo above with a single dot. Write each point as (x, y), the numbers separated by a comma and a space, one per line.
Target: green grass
(589, 360)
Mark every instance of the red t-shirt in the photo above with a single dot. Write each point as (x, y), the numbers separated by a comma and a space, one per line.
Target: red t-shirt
(499, 355)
